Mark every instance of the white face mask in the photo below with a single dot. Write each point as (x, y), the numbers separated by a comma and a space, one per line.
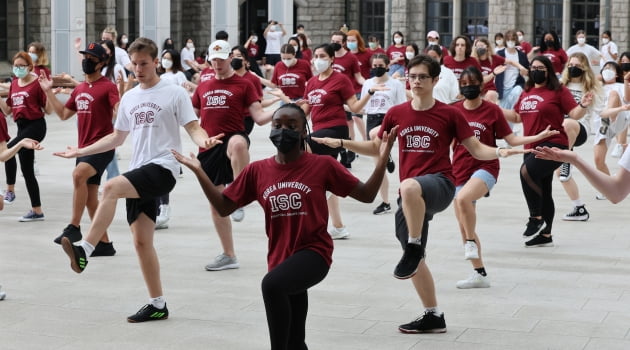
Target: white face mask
(288, 62)
(605, 41)
(511, 44)
(409, 55)
(190, 45)
(254, 39)
(499, 42)
(608, 75)
(124, 41)
(581, 40)
(520, 38)
(296, 48)
(166, 63)
(398, 40)
(433, 42)
(321, 65)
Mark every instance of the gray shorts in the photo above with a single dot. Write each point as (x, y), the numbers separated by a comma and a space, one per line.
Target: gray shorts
(438, 192)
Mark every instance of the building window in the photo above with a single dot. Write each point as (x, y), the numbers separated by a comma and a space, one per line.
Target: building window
(585, 16)
(475, 18)
(440, 19)
(547, 16)
(4, 55)
(373, 20)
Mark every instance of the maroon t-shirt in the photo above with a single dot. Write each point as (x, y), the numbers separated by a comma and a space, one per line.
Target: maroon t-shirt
(206, 74)
(424, 137)
(558, 58)
(28, 101)
(487, 68)
(94, 104)
(252, 50)
(488, 124)
(292, 80)
(395, 52)
(364, 68)
(524, 47)
(223, 104)
(540, 107)
(307, 55)
(458, 67)
(326, 99)
(293, 197)
(39, 69)
(4, 130)
(347, 64)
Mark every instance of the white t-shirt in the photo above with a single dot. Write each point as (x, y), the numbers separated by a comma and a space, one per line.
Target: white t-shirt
(624, 162)
(122, 57)
(606, 56)
(447, 88)
(591, 53)
(274, 42)
(381, 101)
(178, 78)
(188, 55)
(153, 117)
(511, 73)
(118, 71)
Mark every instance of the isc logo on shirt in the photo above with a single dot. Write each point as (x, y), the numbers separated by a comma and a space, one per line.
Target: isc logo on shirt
(83, 105)
(216, 100)
(285, 202)
(144, 117)
(530, 103)
(17, 100)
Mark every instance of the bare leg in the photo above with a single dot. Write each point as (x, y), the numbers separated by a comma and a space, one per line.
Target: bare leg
(335, 211)
(466, 214)
(81, 173)
(143, 230)
(424, 285)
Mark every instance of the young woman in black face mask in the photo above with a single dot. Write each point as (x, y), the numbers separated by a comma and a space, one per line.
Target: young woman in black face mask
(291, 188)
(393, 93)
(544, 102)
(475, 178)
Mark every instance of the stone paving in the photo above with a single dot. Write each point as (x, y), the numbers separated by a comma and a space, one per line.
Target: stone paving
(575, 295)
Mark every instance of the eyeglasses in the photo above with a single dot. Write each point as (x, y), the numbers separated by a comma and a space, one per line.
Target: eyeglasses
(538, 68)
(421, 77)
(575, 65)
(21, 66)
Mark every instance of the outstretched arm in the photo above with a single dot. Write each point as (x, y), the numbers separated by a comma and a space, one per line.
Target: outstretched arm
(7, 153)
(200, 137)
(514, 140)
(615, 187)
(485, 152)
(221, 203)
(365, 192)
(107, 142)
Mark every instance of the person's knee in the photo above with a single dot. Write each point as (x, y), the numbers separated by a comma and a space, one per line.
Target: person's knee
(237, 146)
(270, 285)
(410, 187)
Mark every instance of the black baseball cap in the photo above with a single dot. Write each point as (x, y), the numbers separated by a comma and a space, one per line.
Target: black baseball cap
(96, 50)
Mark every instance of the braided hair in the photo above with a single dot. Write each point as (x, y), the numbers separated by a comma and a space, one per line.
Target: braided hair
(300, 111)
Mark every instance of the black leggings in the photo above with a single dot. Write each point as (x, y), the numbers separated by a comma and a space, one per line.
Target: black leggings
(284, 291)
(36, 130)
(536, 179)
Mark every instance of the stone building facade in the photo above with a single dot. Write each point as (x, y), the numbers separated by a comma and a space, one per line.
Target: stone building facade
(24, 21)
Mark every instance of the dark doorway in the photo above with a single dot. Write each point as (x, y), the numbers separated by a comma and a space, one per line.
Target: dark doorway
(253, 18)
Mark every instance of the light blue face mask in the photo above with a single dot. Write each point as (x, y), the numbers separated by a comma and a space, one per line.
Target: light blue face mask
(352, 45)
(34, 56)
(20, 72)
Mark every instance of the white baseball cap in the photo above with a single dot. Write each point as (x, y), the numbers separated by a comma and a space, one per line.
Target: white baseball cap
(219, 49)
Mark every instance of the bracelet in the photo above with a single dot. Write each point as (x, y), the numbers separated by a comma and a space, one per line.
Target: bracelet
(498, 152)
(371, 92)
(581, 105)
(341, 140)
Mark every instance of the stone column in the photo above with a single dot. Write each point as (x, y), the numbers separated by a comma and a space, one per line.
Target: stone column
(155, 20)
(68, 23)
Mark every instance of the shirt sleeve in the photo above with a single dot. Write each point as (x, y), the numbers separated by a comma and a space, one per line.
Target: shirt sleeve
(184, 111)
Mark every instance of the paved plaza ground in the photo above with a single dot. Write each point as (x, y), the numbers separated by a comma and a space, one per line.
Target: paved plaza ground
(575, 295)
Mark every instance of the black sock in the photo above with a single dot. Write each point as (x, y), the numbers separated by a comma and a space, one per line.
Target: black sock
(481, 271)
(470, 240)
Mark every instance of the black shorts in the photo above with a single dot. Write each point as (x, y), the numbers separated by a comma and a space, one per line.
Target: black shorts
(216, 163)
(99, 162)
(337, 132)
(581, 137)
(150, 181)
(249, 124)
(438, 192)
(373, 120)
(272, 58)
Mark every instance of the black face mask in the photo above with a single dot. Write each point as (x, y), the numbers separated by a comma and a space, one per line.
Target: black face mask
(470, 92)
(285, 140)
(625, 67)
(237, 63)
(378, 71)
(550, 44)
(481, 51)
(575, 72)
(88, 66)
(538, 76)
(336, 46)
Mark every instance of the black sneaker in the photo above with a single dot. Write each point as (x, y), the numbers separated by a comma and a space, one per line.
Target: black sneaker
(539, 241)
(343, 159)
(149, 313)
(533, 227)
(72, 232)
(408, 264)
(104, 249)
(78, 261)
(382, 208)
(578, 214)
(391, 166)
(565, 172)
(427, 323)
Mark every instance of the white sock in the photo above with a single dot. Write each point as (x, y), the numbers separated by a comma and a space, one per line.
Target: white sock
(87, 247)
(417, 240)
(158, 302)
(578, 202)
(435, 310)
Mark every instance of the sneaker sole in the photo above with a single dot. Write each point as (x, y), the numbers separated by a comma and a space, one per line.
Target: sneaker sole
(221, 268)
(564, 179)
(471, 257)
(406, 277)
(382, 212)
(579, 218)
(340, 237)
(30, 220)
(540, 245)
(67, 248)
(152, 319)
(428, 331)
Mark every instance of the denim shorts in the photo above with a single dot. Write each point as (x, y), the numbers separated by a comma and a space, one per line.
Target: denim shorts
(485, 176)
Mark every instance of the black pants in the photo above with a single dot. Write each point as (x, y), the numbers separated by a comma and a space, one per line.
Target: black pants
(284, 291)
(536, 178)
(36, 130)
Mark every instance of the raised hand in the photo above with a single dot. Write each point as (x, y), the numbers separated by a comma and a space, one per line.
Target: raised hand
(71, 152)
(191, 162)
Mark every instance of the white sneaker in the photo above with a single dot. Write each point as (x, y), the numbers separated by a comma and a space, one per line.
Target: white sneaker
(600, 197)
(238, 215)
(476, 280)
(471, 251)
(339, 233)
(161, 221)
(617, 151)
